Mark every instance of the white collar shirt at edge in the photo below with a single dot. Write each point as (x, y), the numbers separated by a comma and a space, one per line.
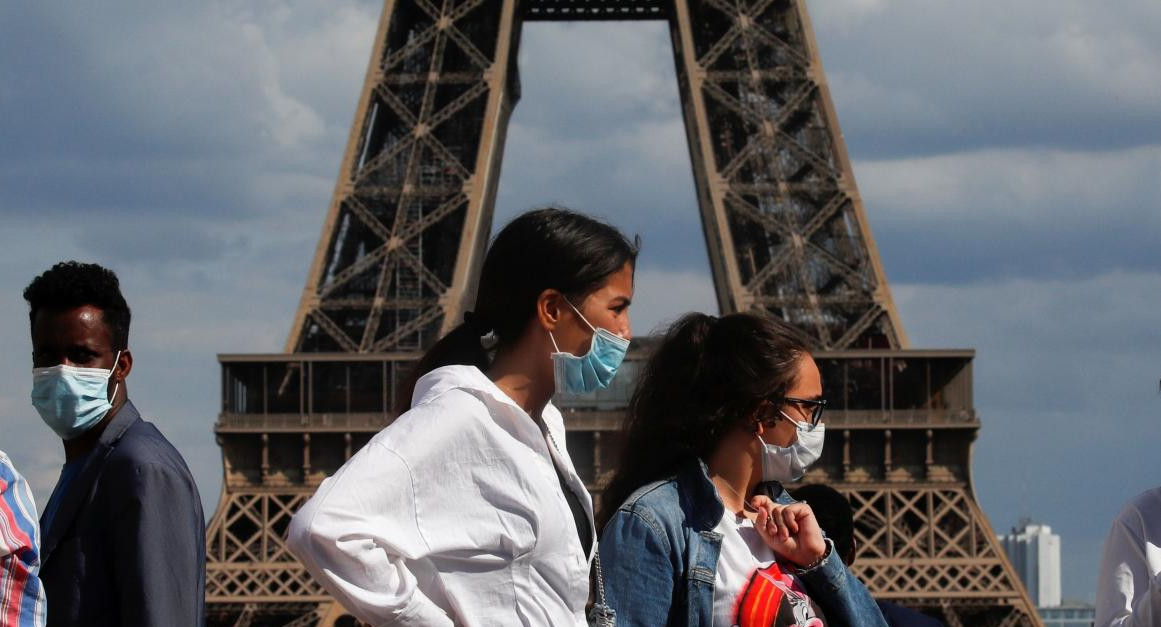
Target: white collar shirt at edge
(452, 515)
(1129, 588)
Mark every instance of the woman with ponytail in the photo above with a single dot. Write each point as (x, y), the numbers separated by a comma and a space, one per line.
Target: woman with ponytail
(467, 509)
(697, 529)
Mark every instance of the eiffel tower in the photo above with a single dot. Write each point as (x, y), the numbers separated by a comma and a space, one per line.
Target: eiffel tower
(786, 232)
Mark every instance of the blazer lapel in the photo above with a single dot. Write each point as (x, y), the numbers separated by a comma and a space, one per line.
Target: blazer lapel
(78, 491)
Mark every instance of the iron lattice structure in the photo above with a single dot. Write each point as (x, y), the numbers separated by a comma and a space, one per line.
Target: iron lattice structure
(786, 233)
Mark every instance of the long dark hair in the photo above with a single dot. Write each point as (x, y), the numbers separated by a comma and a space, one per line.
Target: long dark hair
(549, 248)
(707, 375)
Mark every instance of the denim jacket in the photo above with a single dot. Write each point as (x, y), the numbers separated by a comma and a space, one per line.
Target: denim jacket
(660, 555)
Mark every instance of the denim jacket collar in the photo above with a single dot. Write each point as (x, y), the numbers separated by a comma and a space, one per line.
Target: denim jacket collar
(706, 509)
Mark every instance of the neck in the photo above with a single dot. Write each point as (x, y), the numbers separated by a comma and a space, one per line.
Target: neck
(733, 469)
(510, 372)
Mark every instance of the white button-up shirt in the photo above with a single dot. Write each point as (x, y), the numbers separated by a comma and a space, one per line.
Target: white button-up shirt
(453, 514)
(1129, 588)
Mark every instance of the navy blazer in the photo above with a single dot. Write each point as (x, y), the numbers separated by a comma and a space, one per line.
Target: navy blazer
(127, 546)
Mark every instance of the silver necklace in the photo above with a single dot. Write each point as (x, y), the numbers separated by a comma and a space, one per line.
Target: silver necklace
(745, 505)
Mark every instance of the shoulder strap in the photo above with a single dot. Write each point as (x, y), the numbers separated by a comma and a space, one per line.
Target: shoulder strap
(601, 615)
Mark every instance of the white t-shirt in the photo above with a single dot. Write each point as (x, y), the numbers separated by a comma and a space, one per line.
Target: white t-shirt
(1129, 588)
(748, 578)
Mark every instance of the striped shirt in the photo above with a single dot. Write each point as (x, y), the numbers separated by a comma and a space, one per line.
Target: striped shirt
(22, 601)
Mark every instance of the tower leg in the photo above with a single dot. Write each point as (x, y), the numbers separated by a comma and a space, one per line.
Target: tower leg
(783, 221)
(411, 212)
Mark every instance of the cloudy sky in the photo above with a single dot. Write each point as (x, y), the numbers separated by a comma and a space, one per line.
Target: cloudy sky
(1009, 155)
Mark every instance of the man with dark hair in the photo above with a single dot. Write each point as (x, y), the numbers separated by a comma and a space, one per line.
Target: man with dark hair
(833, 512)
(123, 536)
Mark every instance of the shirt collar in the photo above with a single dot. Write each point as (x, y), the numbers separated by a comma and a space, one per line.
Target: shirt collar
(472, 379)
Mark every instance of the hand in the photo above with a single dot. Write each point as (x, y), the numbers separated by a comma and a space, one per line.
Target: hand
(791, 531)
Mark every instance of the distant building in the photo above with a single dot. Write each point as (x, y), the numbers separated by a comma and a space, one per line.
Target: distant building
(1035, 554)
(1068, 616)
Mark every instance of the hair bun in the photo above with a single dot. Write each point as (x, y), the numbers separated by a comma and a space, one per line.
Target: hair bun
(477, 323)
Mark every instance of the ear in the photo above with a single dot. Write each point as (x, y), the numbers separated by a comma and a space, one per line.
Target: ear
(123, 366)
(550, 307)
(761, 417)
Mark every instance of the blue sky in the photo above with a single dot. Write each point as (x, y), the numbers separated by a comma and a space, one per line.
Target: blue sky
(1009, 155)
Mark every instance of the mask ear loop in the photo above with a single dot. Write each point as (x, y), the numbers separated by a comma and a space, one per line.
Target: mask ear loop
(797, 424)
(582, 316)
(578, 313)
(802, 426)
(117, 385)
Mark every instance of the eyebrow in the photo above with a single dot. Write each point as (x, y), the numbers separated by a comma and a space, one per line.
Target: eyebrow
(624, 300)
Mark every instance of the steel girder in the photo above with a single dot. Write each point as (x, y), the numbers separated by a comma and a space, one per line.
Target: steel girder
(412, 208)
(783, 220)
(928, 546)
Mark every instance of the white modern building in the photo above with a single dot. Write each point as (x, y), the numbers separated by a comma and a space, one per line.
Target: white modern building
(1035, 553)
(1068, 616)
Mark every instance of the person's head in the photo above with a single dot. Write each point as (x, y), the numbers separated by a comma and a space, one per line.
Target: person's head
(833, 512)
(77, 315)
(713, 380)
(541, 270)
(79, 318)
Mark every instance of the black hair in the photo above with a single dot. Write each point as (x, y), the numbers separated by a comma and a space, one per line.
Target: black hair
(707, 376)
(71, 284)
(833, 512)
(547, 248)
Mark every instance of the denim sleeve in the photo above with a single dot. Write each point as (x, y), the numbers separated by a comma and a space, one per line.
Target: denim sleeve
(639, 570)
(841, 595)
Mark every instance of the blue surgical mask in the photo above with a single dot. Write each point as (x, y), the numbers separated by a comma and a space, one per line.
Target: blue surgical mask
(72, 400)
(789, 463)
(595, 369)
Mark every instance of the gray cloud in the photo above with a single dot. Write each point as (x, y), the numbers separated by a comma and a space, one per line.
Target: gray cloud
(176, 111)
(973, 215)
(1010, 213)
(599, 129)
(913, 77)
(621, 74)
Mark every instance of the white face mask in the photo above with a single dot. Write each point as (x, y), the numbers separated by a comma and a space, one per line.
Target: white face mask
(788, 463)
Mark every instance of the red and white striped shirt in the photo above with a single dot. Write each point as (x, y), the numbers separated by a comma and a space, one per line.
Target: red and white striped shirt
(22, 602)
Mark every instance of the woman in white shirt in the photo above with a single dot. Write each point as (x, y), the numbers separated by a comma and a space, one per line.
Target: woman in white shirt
(467, 509)
(1129, 589)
